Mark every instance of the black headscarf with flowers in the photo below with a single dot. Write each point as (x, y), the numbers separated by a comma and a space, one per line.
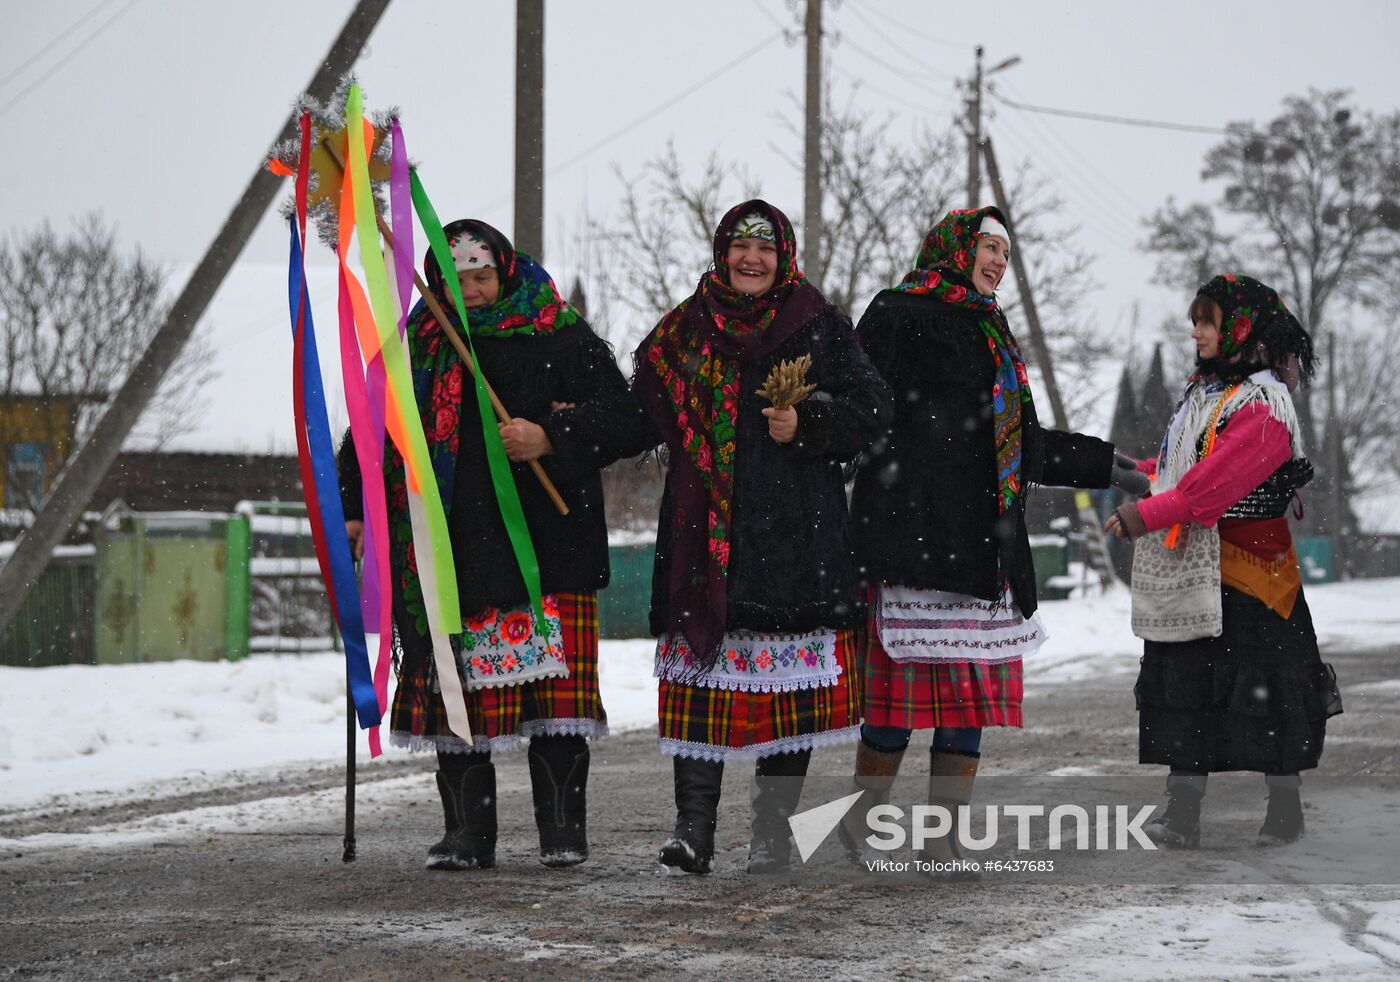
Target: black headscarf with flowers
(943, 270)
(528, 305)
(689, 378)
(1252, 317)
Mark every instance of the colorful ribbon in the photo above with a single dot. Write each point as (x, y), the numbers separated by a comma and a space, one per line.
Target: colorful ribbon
(507, 496)
(316, 460)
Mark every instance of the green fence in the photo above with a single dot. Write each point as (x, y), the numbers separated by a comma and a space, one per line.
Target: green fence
(54, 624)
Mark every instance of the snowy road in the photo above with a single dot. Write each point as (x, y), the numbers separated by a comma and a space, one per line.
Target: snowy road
(244, 880)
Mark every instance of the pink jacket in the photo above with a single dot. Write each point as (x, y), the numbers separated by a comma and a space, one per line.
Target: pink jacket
(1248, 450)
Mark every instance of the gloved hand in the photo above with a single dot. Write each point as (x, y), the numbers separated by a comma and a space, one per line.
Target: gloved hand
(1126, 477)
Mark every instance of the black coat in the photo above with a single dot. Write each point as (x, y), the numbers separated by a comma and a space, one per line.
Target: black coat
(528, 372)
(790, 563)
(924, 509)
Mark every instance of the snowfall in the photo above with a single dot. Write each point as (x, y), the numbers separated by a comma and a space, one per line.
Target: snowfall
(84, 736)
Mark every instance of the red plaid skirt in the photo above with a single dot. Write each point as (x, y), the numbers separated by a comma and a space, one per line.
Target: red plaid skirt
(922, 695)
(698, 721)
(507, 714)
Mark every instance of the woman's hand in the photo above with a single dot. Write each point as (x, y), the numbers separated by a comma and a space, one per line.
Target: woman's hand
(525, 440)
(1126, 522)
(1114, 527)
(782, 424)
(355, 532)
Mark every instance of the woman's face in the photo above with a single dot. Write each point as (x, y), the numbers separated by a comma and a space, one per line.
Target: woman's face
(480, 287)
(1206, 333)
(753, 265)
(989, 263)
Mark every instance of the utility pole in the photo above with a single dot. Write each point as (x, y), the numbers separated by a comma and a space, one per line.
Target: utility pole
(812, 157)
(974, 125)
(81, 476)
(1023, 285)
(529, 127)
(1332, 433)
(974, 135)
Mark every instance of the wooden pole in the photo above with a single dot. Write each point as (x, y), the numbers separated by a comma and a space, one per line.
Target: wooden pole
(529, 127)
(812, 148)
(84, 472)
(1023, 282)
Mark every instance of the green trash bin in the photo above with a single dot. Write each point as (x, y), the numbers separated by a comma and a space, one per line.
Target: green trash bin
(624, 605)
(1315, 558)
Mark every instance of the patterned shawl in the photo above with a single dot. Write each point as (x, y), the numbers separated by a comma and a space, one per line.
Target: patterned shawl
(942, 270)
(689, 372)
(529, 305)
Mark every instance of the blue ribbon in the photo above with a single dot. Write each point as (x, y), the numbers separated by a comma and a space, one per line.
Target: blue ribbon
(331, 514)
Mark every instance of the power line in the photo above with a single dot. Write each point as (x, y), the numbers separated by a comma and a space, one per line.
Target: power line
(946, 42)
(913, 58)
(650, 113)
(1121, 120)
(61, 36)
(68, 59)
(884, 63)
(926, 109)
(1055, 136)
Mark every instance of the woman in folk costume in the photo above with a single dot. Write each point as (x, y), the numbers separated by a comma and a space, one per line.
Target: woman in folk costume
(754, 589)
(1231, 677)
(938, 517)
(521, 680)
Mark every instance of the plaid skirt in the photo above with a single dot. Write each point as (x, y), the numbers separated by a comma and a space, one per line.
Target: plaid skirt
(505, 717)
(726, 724)
(922, 695)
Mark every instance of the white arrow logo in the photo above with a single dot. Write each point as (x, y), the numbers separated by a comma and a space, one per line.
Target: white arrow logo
(810, 828)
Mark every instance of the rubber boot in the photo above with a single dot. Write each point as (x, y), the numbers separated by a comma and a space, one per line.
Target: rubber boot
(1283, 822)
(777, 789)
(950, 780)
(559, 781)
(1179, 825)
(467, 785)
(692, 848)
(875, 775)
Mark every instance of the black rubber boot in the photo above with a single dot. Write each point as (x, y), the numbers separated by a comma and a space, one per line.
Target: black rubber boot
(467, 784)
(692, 848)
(559, 780)
(777, 788)
(1179, 826)
(875, 775)
(1283, 822)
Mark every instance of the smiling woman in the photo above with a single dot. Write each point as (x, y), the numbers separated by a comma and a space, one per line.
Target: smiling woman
(754, 589)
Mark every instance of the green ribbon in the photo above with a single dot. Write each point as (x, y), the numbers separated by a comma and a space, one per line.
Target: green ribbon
(507, 497)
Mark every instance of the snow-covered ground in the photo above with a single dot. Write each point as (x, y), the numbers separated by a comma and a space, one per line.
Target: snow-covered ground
(121, 731)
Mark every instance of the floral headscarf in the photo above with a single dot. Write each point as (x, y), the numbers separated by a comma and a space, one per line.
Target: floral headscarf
(942, 270)
(528, 305)
(689, 377)
(1249, 309)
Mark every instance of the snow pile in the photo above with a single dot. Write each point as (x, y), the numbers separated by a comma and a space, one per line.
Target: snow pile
(108, 729)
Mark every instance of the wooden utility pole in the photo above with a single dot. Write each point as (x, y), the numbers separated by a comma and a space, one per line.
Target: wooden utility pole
(529, 127)
(1023, 285)
(974, 135)
(812, 153)
(85, 470)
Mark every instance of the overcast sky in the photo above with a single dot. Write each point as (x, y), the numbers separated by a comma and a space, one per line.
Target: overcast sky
(155, 112)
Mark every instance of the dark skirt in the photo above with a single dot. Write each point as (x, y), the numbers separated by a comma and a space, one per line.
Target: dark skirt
(1257, 698)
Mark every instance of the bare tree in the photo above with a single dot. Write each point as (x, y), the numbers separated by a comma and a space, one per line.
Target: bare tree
(75, 314)
(1190, 245)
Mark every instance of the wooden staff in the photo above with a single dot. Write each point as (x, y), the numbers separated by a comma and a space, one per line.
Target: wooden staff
(457, 342)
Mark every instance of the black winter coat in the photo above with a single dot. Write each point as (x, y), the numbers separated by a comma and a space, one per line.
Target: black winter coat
(528, 372)
(924, 509)
(791, 567)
